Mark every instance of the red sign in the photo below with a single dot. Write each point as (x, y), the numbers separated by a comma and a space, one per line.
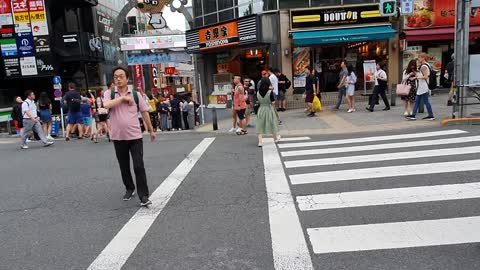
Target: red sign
(5, 7)
(36, 5)
(438, 13)
(170, 70)
(19, 6)
(138, 77)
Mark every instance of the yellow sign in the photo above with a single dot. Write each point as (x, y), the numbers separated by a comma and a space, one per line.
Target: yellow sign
(37, 16)
(21, 17)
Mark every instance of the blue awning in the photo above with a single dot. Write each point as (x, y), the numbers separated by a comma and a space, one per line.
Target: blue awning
(343, 35)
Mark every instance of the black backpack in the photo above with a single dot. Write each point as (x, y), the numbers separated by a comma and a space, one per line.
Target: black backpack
(288, 83)
(432, 78)
(135, 97)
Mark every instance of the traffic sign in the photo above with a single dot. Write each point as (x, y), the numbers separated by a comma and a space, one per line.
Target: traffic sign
(407, 7)
(57, 86)
(388, 8)
(57, 80)
(57, 93)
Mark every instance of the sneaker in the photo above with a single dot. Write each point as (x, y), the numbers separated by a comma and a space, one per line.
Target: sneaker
(128, 195)
(349, 111)
(277, 140)
(312, 114)
(47, 144)
(28, 140)
(232, 130)
(406, 113)
(24, 146)
(67, 139)
(144, 201)
(368, 109)
(50, 138)
(430, 118)
(386, 109)
(354, 110)
(411, 118)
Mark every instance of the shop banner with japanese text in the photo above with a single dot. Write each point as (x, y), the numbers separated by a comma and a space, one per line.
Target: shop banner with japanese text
(38, 18)
(138, 77)
(5, 13)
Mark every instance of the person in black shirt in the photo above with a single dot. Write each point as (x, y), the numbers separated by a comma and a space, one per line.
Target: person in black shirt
(282, 90)
(74, 117)
(310, 90)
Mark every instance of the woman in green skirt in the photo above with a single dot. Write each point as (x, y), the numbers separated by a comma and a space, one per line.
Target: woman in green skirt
(267, 122)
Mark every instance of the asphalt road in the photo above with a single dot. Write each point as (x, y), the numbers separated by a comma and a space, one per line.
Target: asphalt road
(62, 206)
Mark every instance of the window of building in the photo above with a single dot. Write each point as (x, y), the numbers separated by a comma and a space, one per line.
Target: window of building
(224, 4)
(198, 22)
(352, 2)
(287, 4)
(244, 10)
(209, 6)
(322, 3)
(197, 8)
(210, 19)
(226, 15)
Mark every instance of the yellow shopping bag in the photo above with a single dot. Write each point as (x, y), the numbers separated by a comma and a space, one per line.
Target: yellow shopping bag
(317, 105)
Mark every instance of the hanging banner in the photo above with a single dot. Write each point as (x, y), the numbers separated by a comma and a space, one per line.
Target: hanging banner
(301, 60)
(155, 81)
(21, 17)
(138, 77)
(157, 58)
(5, 13)
(45, 65)
(38, 18)
(105, 29)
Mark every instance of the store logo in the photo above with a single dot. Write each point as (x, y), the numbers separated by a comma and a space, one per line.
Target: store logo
(95, 44)
(44, 67)
(25, 42)
(340, 16)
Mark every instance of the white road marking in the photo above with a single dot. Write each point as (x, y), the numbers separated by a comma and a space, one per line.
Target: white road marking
(395, 235)
(289, 246)
(374, 139)
(294, 139)
(117, 252)
(389, 196)
(380, 146)
(391, 171)
(382, 157)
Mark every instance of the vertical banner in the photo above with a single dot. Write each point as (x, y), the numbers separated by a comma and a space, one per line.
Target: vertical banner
(21, 18)
(301, 60)
(5, 13)
(38, 18)
(138, 77)
(154, 76)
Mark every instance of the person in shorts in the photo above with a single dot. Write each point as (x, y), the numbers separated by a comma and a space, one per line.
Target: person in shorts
(310, 90)
(282, 90)
(86, 109)
(73, 100)
(240, 105)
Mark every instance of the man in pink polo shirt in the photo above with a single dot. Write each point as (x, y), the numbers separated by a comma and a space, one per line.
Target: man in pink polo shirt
(126, 134)
(240, 104)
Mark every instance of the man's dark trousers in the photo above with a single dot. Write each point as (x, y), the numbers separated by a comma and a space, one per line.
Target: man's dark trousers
(123, 149)
(377, 90)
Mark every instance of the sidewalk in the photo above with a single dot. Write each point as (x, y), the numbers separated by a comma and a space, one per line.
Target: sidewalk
(295, 122)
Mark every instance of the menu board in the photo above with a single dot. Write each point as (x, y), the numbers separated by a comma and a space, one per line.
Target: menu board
(435, 13)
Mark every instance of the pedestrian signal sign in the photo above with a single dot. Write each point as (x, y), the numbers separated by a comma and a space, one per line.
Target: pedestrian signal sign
(388, 8)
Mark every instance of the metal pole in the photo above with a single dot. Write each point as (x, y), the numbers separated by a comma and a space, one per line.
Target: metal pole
(62, 120)
(462, 58)
(202, 106)
(214, 118)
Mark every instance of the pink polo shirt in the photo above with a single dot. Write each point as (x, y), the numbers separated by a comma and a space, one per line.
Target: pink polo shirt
(124, 118)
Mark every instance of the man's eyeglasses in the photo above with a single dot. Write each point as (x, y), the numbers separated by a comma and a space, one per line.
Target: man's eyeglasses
(119, 77)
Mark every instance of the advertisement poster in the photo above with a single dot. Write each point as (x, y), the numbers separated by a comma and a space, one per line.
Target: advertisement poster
(6, 31)
(8, 47)
(435, 13)
(301, 60)
(25, 44)
(474, 69)
(28, 66)
(436, 61)
(42, 45)
(157, 58)
(369, 68)
(106, 26)
(138, 77)
(38, 18)
(45, 65)
(410, 53)
(5, 13)
(21, 17)
(12, 67)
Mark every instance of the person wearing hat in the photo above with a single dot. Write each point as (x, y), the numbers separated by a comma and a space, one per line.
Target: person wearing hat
(450, 72)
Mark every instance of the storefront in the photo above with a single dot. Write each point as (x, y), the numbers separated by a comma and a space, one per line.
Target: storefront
(236, 47)
(431, 29)
(324, 37)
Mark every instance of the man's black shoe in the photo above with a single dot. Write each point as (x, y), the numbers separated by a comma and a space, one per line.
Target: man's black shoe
(144, 201)
(368, 109)
(387, 109)
(128, 195)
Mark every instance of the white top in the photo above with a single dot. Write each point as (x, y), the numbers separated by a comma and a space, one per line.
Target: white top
(380, 74)
(422, 83)
(30, 106)
(252, 85)
(274, 82)
(351, 81)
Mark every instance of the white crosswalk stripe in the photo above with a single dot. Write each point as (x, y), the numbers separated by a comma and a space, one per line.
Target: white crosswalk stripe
(459, 153)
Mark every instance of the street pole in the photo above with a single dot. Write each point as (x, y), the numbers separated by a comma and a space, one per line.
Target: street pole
(202, 106)
(462, 57)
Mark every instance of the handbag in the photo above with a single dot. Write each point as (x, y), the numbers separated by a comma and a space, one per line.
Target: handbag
(403, 89)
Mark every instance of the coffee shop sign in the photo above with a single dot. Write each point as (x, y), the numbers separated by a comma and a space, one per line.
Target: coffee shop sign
(340, 16)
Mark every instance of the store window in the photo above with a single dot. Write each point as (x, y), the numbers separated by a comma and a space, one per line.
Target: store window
(322, 3)
(264, 5)
(199, 22)
(210, 19)
(197, 8)
(224, 4)
(226, 15)
(209, 6)
(244, 10)
(287, 4)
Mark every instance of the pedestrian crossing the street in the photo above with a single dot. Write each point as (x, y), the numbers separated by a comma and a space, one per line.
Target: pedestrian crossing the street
(422, 168)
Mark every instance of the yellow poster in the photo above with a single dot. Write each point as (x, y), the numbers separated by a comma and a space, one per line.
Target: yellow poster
(21, 17)
(37, 16)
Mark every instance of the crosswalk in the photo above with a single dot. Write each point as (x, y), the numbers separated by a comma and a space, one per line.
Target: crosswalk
(424, 167)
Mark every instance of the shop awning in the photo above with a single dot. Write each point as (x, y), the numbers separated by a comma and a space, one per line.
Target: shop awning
(447, 33)
(342, 35)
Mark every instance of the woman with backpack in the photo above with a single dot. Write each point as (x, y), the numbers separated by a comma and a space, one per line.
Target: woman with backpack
(17, 114)
(45, 110)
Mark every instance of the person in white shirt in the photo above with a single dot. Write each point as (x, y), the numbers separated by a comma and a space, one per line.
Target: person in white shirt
(350, 83)
(31, 122)
(380, 88)
(422, 89)
(274, 81)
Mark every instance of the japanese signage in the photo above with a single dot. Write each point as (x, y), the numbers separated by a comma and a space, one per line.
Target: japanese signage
(138, 77)
(336, 16)
(38, 17)
(21, 18)
(407, 7)
(438, 13)
(42, 45)
(157, 58)
(152, 42)
(222, 35)
(28, 66)
(8, 47)
(25, 44)
(105, 23)
(45, 65)
(12, 67)
(6, 31)
(5, 13)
